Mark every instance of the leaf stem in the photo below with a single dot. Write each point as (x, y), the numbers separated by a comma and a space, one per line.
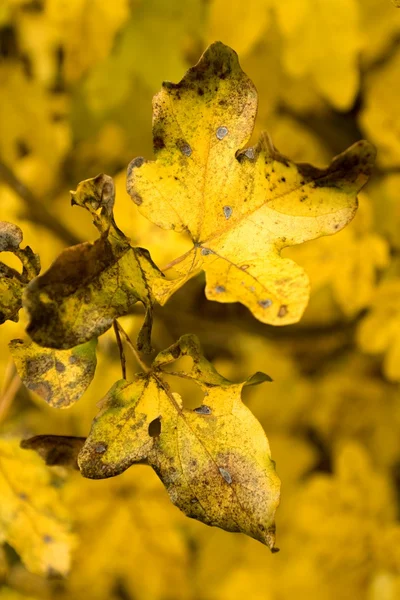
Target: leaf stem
(120, 348)
(118, 327)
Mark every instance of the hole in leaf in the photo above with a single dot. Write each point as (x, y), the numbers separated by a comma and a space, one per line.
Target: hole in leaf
(155, 427)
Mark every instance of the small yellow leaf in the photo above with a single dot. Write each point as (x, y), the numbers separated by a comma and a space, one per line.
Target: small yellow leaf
(60, 377)
(214, 460)
(240, 207)
(32, 518)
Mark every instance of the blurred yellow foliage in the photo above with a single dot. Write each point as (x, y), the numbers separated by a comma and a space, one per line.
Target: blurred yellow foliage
(76, 85)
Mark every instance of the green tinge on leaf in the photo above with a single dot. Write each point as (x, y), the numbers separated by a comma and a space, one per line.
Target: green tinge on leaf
(60, 377)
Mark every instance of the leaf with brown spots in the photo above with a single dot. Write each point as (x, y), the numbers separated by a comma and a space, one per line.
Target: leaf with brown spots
(240, 205)
(91, 284)
(214, 461)
(13, 283)
(32, 518)
(60, 377)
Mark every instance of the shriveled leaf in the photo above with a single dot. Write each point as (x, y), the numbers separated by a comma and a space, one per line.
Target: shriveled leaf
(60, 377)
(32, 518)
(60, 450)
(90, 284)
(214, 460)
(240, 206)
(13, 283)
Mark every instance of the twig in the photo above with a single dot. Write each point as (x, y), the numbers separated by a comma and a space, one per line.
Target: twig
(120, 348)
(10, 387)
(36, 211)
(135, 352)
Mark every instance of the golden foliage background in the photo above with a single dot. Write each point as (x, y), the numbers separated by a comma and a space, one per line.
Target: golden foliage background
(76, 82)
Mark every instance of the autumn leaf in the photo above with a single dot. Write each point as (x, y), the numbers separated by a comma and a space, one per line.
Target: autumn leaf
(379, 331)
(60, 377)
(240, 206)
(13, 283)
(91, 284)
(214, 460)
(32, 518)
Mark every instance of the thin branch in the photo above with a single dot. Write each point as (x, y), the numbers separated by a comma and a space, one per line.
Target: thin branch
(35, 210)
(135, 352)
(120, 348)
(11, 385)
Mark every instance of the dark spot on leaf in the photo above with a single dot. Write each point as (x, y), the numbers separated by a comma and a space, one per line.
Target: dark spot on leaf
(206, 251)
(23, 496)
(265, 303)
(47, 539)
(155, 427)
(220, 289)
(222, 132)
(275, 550)
(137, 198)
(203, 410)
(100, 448)
(303, 198)
(43, 389)
(283, 179)
(137, 162)
(72, 359)
(158, 142)
(184, 147)
(200, 91)
(226, 475)
(282, 311)
(227, 211)
(60, 368)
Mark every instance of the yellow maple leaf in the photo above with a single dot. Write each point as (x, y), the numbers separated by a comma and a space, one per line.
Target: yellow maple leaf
(379, 331)
(32, 518)
(214, 460)
(239, 206)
